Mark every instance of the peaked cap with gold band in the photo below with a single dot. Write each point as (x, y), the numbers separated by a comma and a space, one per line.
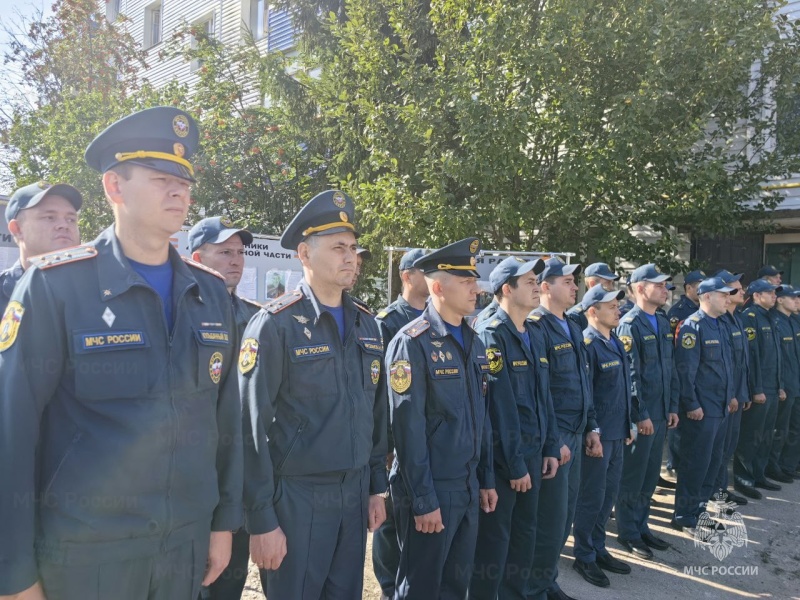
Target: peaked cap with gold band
(326, 213)
(161, 138)
(457, 258)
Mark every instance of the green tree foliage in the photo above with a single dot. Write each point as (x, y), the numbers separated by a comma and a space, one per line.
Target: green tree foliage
(559, 125)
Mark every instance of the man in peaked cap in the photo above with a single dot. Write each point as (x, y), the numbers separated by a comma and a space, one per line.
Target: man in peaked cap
(595, 274)
(42, 218)
(217, 244)
(315, 417)
(123, 351)
(408, 306)
(707, 394)
(524, 431)
(648, 340)
(575, 415)
(766, 390)
(437, 370)
(770, 274)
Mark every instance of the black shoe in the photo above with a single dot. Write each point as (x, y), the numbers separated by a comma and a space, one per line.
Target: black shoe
(748, 490)
(614, 565)
(670, 485)
(637, 548)
(654, 542)
(736, 498)
(790, 474)
(766, 484)
(779, 476)
(591, 573)
(558, 595)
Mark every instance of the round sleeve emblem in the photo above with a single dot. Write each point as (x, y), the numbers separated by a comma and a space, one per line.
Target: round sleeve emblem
(400, 376)
(495, 360)
(247, 355)
(9, 326)
(627, 342)
(751, 333)
(215, 367)
(688, 340)
(375, 371)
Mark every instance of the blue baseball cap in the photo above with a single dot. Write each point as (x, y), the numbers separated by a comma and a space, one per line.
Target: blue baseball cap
(601, 270)
(727, 276)
(326, 213)
(215, 230)
(457, 258)
(694, 277)
(596, 294)
(162, 138)
(513, 266)
(30, 195)
(648, 273)
(786, 290)
(768, 271)
(407, 260)
(760, 285)
(555, 267)
(713, 284)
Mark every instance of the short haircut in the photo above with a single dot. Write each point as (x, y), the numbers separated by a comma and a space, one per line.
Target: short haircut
(511, 281)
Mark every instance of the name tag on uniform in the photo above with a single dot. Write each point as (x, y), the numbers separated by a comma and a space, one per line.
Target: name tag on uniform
(788, 339)
(309, 351)
(647, 338)
(519, 363)
(766, 328)
(217, 337)
(110, 340)
(564, 346)
(711, 342)
(739, 333)
(371, 344)
(609, 365)
(446, 372)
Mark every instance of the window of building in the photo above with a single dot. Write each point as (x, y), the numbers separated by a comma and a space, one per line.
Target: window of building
(152, 24)
(112, 9)
(205, 26)
(259, 13)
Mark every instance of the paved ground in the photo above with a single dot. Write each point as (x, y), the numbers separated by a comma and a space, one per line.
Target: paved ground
(767, 567)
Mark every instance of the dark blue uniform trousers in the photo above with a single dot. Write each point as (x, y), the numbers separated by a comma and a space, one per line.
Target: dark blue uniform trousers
(641, 467)
(782, 423)
(174, 574)
(673, 447)
(506, 540)
(436, 565)
(790, 456)
(557, 502)
(702, 447)
(324, 518)
(734, 421)
(230, 584)
(386, 552)
(755, 440)
(600, 479)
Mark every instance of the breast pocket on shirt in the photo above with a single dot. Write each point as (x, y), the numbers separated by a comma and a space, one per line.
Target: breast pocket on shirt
(110, 364)
(562, 357)
(648, 349)
(312, 372)
(371, 363)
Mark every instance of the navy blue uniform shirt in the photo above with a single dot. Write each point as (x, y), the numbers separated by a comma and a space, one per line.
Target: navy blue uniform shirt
(741, 358)
(439, 398)
(786, 331)
(764, 348)
(133, 430)
(8, 279)
(311, 403)
(610, 378)
(679, 311)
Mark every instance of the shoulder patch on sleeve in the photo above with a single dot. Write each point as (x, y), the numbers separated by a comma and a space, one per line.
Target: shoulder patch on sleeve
(282, 302)
(751, 333)
(9, 325)
(63, 257)
(248, 353)
(627, 342)
(688, 340)
(202, 267)
(417, 329)
(495, 360)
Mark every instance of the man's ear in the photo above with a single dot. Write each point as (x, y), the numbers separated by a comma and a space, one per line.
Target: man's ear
(196, 256)
(15, 229)
(111, 186)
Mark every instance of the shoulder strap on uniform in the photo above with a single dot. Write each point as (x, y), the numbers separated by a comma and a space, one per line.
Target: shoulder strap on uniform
(534, 318)
(282, 302)
(251, 302)
(361, 304)
(202, 267)
(587, 341)
(417, 329)
(626, 320)
(63, 257)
